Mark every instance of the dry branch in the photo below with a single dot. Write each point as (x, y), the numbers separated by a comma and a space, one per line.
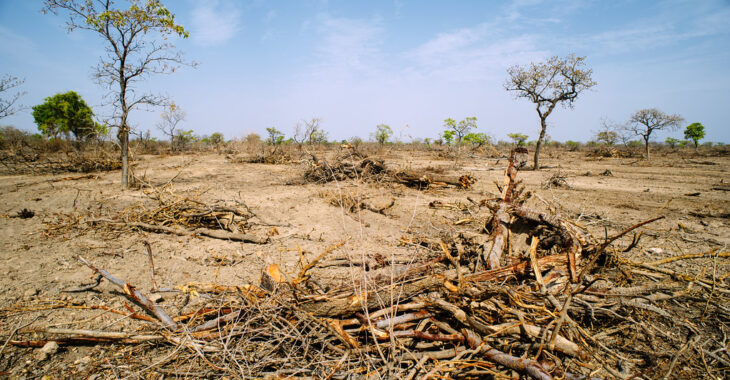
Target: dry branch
(133, 294)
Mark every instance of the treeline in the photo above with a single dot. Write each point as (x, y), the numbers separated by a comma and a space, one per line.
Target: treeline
(65, 121)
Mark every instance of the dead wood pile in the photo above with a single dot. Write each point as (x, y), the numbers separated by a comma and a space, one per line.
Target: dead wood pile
(610, 152)
(275, 155)
(571, 306)
(355, 165)
(171, 213)
(28, 162)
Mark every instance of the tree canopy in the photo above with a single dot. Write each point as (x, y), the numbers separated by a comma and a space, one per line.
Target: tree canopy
(66, 113)
(647, 121)
(518, 138)
(382, 133)
(547, 84)
(695, 132)
(461, 128)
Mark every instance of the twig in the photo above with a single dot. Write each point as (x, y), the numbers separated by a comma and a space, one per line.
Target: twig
(84, 288)
(152, 263)
(677, 354)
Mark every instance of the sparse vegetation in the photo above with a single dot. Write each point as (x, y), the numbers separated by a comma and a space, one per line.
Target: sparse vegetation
(313, 256)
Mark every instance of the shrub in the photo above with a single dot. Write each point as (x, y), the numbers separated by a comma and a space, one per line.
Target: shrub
(572, 145)
(517, 138)
(672, 142)
(382, 133)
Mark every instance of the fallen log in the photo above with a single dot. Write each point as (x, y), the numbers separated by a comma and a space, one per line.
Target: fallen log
(416, 179)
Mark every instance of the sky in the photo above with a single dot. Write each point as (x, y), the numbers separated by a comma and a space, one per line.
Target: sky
(407, 64)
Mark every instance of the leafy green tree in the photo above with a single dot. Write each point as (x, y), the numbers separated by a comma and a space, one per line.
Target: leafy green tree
(647, 121)
(547, 84)
(383, 132)
(517, 138)
(461, 128)
(477, 139)
(184, 139)
(276, 137)
(448, 136)
(695, 132)
(319, 136)
(607, 137)
(132, 52)
(217, 138)
(672, 142)
(66, 113)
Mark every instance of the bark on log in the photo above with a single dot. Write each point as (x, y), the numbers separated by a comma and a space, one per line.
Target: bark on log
(413, 178)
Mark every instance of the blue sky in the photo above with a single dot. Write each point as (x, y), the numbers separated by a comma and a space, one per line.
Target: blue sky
(409, 64)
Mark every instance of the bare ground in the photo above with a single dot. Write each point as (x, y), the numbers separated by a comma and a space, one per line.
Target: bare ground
(38, 254)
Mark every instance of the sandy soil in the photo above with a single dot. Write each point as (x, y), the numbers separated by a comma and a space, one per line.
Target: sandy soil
(38, 263)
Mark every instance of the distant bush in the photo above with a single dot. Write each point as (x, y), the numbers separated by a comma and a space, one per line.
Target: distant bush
(382, 133)
(572, 145)
(672, 142)
(517, 138)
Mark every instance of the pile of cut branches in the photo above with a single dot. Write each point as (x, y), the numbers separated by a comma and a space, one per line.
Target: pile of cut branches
(355, 165)
(175, 214)
(24, 162)
(276, 155)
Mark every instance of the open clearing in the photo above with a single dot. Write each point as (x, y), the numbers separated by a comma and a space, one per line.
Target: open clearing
(38, 254)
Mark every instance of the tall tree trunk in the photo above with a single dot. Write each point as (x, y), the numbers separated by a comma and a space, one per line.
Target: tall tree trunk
(543, 126)
(123, 136)
(646, 146)
(696, 145)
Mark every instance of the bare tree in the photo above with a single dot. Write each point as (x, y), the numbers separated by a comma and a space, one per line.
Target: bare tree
(309, 132)
(645, 122)
(8, 105)
(609, 132)
(171, 119)
(132, 54)
(547, 84)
